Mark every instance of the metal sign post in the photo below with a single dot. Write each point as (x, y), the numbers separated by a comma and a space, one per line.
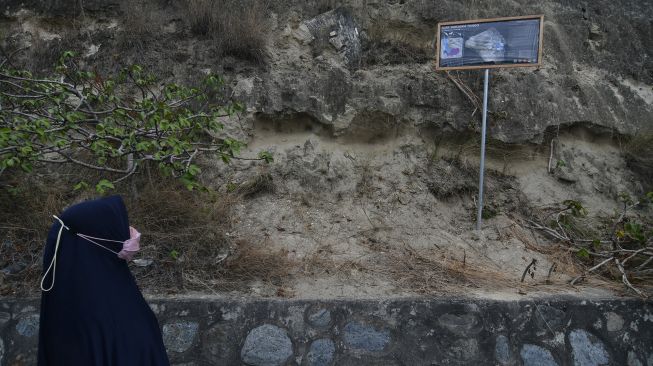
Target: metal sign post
(479, 216)
(486, 44)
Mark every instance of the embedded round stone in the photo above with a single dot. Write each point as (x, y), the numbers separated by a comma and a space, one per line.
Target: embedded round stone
(586, 349)
(179, 337)
(533, 355)
(614, 322)
(267, 345)
(321, 318)
(502, 350)
(633, 360)
(365, 337)
(321, 352)
(28, 326)
(2, 351)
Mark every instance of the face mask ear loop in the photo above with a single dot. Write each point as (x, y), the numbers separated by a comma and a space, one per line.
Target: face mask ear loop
(53, 263)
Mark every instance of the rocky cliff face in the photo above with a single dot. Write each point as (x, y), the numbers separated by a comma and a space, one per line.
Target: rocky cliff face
(376, 152)
(345, 63)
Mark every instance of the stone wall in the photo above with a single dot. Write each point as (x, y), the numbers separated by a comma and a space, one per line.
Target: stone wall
(561, 331)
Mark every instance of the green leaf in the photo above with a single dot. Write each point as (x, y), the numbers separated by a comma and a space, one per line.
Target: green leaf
(576, 208)
(193, 170)
(583, 253)
(174, 254)
(231, 187)
(103, 186)
(649, 196)
(80, 186)
(266, 156)
(67, 54)
(26, 167)
(625, 198)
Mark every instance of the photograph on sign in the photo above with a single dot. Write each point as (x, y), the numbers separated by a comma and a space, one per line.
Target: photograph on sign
(503, 42)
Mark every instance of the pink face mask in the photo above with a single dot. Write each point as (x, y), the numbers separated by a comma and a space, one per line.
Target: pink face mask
(131, 245)
(129, 248)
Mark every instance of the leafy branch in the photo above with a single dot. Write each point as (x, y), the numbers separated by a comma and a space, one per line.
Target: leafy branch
(113, 125)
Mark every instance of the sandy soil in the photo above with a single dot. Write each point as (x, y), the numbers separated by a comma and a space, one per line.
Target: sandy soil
(395, 215)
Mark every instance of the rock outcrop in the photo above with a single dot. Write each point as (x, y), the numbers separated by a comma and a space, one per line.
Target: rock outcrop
(343, 63)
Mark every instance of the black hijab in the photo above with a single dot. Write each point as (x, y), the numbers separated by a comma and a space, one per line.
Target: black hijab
(95, 314)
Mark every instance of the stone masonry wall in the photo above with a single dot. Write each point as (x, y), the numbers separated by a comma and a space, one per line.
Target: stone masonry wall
(547, 332)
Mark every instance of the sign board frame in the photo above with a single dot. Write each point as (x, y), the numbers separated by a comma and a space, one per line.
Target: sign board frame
(490, 66)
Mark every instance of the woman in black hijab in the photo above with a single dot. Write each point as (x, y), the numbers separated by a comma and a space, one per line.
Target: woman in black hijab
(92, 312)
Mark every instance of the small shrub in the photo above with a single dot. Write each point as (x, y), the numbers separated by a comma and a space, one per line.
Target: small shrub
(201, 14)
(141, 19)
(239, 28)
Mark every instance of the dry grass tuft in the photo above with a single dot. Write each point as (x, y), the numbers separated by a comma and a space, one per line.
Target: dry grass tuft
(432, 272)
(25, 217)
(141, 20)
(140, 17)
(254, 263)
(184, 235)
(259, 184)
(365, 186)
(238, 27)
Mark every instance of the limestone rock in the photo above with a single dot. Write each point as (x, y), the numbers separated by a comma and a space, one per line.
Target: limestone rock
(502, 351)
(28, 326)
(363, 337)
(587, 350)
(320, 318)
(533, 355)
(321, 352)
(266, 345)
(179, 336)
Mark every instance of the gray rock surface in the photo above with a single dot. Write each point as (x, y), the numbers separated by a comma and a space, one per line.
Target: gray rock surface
(364, 337)
(633, 360)
(587, 350)
(533, 355)
(614, 322)
(266, 345)
(341, 64)
(321, 318)
(321, 353)
(502, 352)
(179, 336)
(28, 325)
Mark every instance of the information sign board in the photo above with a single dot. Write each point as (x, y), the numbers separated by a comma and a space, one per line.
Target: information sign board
(490, 43)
